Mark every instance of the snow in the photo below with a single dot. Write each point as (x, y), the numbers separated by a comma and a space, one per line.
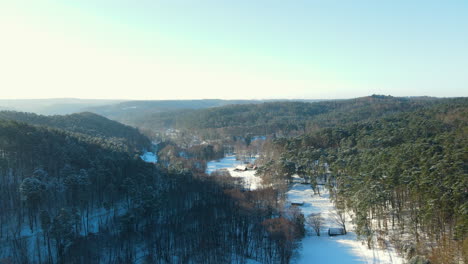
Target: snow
(241, 167)
(249, 179)
(90, 223)
(149, 157)
(229, 162)
(346, 249)
(258, 138)
(252, 261)
(338, 249)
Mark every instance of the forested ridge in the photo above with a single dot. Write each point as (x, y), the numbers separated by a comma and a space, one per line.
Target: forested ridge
(127, 111)
(403, 176)
(85, 123)
(284, 118)
(73, 189)
(68, 197)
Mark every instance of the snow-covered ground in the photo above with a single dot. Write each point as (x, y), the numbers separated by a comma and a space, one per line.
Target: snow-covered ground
(339, 249)
(150, 156)
(345, 249)
(225, 163)
(230, 163)
(249, 179)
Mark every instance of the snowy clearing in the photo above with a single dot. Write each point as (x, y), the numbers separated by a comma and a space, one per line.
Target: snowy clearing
(149, 157)
(230, 163)
(227, 162)
(338, 249)
(324, 249)
(249, 179)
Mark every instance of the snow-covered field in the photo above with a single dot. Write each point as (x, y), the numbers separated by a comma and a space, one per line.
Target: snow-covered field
(149, 157)
(225, 163)
(229, 163)
(345, 249)
(338, 249)
(249, 179)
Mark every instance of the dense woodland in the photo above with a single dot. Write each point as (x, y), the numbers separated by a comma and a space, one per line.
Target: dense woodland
(68, 197)
(404, 176)
(73, 188)
(397, 165)
(281, 119)
(84, 123)
(126, 112)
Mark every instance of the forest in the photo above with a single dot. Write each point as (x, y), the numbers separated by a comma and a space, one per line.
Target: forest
(85, 123)
(69, 197)
(280, 119)
(73, 189)
(404, 176)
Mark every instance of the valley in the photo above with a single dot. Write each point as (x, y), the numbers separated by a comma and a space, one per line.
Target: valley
(85, 188)
(233, 132)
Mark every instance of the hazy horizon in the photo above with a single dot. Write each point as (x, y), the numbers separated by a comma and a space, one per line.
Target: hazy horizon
(159, 50)
(234, 99)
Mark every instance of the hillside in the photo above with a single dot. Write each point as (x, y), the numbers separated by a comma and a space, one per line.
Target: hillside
(281, 118)
(85, 123)
(71, 187)
(126, 112)
(402, 177)
(68, 197)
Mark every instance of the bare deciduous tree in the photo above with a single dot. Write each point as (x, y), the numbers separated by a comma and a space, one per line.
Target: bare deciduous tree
(339, 218)
(316, 222)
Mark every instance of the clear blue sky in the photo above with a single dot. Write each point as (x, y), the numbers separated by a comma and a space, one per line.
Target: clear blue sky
(149, 49)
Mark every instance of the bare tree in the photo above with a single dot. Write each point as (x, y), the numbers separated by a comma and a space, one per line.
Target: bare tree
(316, 222)
(339, 218)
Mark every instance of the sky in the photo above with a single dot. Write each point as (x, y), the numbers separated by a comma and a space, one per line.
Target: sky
(242, 49)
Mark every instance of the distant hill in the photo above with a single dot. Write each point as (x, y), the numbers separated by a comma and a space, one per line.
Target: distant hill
(120, 110)
(126, 111)
(84, 123)
(58, 106)
(415, 160)
(278, 117)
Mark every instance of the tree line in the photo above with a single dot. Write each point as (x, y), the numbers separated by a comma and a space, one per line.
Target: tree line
(280, 119)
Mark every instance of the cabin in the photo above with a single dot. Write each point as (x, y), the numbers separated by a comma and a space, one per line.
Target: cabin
(336, 231)
(251, 166)
(297, 203)
(240, 168)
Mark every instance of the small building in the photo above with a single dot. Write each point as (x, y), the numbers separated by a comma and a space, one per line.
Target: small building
(297, 203)
(336, 231)
(240, 168)
(251, 166)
